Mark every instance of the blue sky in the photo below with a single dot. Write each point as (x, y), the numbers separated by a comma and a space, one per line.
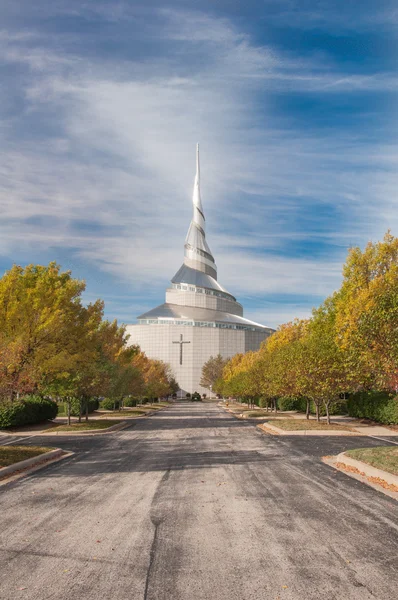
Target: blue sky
(294, 104)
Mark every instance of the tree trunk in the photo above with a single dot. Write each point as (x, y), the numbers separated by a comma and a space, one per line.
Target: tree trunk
(87, 401)
(307, 410)
(80, 410)
(327, 412)
(318, 418)
(68, 403)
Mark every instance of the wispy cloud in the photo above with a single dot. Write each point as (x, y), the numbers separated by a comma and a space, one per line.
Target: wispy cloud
(100, 156)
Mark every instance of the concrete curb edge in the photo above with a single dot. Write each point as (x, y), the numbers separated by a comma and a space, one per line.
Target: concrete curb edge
(110, 429)
(273, 430)
(366, 469)
(30, 462)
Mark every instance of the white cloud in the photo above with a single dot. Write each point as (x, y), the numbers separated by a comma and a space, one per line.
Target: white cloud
(123, 158)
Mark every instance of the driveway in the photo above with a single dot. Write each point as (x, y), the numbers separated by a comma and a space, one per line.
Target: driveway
(194, 504)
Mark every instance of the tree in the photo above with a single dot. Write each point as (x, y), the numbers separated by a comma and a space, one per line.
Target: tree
(39, 314)
(367, 314)
(325, 374)
(212, 370)
(158, 377)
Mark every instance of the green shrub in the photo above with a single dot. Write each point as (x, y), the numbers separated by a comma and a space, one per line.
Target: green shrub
(109, 404)
(288, 403)
(188, 395)
(339, 407)
(27, 411)
(130, 402)
(377, 406)
(196, 397)
(93, 404)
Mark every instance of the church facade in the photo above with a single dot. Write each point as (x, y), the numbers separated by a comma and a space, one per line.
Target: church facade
(200, 318)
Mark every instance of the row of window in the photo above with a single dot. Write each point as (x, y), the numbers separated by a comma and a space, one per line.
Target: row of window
(199, 290)
(197, 324)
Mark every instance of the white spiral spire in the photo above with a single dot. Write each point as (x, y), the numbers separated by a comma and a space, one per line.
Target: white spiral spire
(197, 252)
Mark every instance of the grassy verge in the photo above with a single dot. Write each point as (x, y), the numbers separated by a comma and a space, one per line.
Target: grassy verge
(382, 457)
(269, 414)
(124, 413)
(303, 424)
(13, 454)
(90, 425)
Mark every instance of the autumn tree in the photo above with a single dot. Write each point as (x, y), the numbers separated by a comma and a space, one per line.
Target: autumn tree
(212, 370)
(367, 314)
(40, 320)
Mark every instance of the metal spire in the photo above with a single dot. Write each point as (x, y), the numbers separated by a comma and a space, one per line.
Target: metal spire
(197, 252)
(198, 216)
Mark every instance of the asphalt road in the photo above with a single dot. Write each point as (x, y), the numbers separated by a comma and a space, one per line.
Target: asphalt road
(193, 504)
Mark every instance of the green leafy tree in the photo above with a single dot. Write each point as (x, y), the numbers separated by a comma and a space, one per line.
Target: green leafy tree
(367, 314)
(40, 319)
(212, 370)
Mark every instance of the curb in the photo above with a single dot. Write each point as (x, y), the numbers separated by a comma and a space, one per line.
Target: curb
(364, 473)
(367, 470)
(273, 430)
(110, 429)
(31, 462)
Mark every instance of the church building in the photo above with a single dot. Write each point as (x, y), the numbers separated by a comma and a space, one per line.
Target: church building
(200, 318)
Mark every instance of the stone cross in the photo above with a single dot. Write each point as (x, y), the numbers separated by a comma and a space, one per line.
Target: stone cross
(181, 343)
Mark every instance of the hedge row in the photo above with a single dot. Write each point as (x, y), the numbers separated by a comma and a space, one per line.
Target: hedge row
(27, 411)
(93, 405)
(377, 406)
(111, 404)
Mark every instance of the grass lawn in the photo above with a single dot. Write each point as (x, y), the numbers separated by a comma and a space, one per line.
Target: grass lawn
(382, 457)
(263, 413)
(13, 454)
(123, 413)
(90, 425)
(303, 424)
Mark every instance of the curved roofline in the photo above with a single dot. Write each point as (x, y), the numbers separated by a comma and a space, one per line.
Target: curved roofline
(192, 276)
(194, 313)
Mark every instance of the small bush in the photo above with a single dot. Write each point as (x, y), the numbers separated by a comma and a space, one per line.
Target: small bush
(188, 395)
(93, 404)
(130, 402)
(196, 397)
(377, 406)
(288, 403)
(109, 404)
(339, 407)
(27, 411)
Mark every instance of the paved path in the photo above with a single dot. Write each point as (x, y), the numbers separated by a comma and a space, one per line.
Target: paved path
(194, 504)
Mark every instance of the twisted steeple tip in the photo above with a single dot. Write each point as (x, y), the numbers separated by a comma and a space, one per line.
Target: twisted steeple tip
(197, 252)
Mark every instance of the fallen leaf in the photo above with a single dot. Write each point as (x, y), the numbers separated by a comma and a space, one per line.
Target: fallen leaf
(22, 588)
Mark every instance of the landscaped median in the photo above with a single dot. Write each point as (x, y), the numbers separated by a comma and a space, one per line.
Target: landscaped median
(378, 467)
(19, 458)
(94, 426)
(288, 426)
